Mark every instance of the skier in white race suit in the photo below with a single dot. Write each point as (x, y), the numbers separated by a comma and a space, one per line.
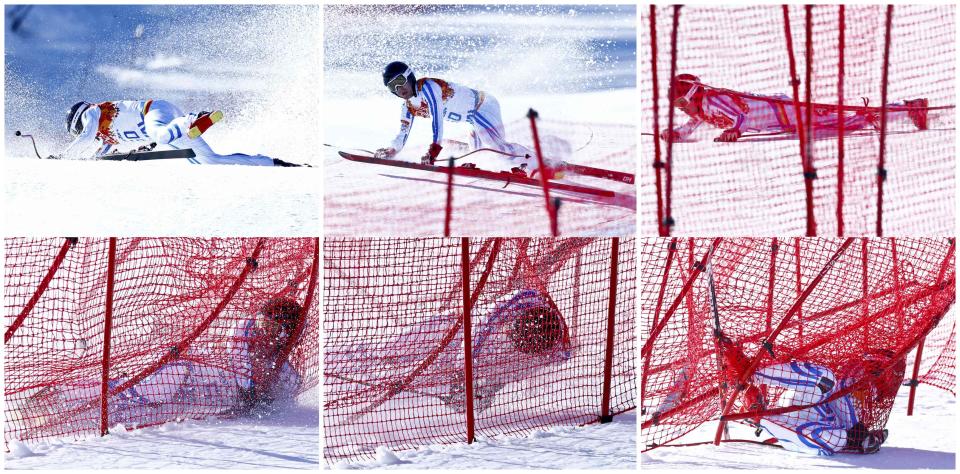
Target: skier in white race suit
(102, 128)
(827, 427)
(245, 378)
(443, 101)
(737, 112)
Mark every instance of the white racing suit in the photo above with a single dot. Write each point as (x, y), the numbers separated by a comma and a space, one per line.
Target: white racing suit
(817, 430)
(442, 101)
(129, 124)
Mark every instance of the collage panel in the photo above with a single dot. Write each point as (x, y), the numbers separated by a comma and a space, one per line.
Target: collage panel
(872, 87)
(108, 107)
(480, 120)
(161, 353)
(827, 348)
(509, 352)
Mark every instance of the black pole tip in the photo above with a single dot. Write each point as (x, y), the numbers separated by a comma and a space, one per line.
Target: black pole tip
(532, 114)
(17, 133)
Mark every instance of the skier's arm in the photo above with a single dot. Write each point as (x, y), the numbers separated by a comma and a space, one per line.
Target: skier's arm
(682, 132)
(434, 96)
(406, 124)
(84, 145)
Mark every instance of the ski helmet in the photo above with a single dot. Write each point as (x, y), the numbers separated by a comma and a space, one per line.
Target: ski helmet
(397, 74)
(74, 125)
(683, 89)
(284, 311)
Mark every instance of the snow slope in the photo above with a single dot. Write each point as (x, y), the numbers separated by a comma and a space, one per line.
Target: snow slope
(258, 64)
(289, 439)
(926, 440)
(608, 446)
(571, 64)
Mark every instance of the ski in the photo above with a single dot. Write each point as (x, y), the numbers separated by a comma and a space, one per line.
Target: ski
(150, 155)
(483, 174)
(618, 176)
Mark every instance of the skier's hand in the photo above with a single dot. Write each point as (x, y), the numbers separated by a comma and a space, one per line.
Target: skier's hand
(669, 136)
(728, 135)
(385, 153)
(431, 157)
(54, 157)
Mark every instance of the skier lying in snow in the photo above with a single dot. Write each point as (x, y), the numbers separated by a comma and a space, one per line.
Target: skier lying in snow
(247, 378)
(99, 129)
(827, 428)
(441, 101)
(736, 112)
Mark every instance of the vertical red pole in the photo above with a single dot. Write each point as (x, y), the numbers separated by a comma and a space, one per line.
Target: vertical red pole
(914, 380)
(881, 169)
(662, 229)
(448, 212)
(544, 172)
(467, 336)
(808, 172)
(605, 416)
(668, 221)
(841, 121)
(808, 80)
(107, 327)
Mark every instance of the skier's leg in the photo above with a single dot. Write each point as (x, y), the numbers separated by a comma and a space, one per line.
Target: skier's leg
(165, 122)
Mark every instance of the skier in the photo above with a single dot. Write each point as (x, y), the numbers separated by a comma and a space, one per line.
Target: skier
(441, 101)
(136, 124)
(827, 427)
(736, 112)
(521, 336)
(246, 378)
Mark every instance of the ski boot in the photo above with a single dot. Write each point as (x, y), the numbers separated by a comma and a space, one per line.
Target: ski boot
(918, 114)
(204, 121)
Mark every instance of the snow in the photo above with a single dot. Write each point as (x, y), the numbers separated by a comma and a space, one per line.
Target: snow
(926, 440)
(257, 64)
(608, 446)
(288, 439)
(576, 65)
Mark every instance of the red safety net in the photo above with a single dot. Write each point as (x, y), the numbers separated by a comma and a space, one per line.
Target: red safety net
(880, 171)
(142, 331)
(849, 311)
(552, 326)
(379, 200)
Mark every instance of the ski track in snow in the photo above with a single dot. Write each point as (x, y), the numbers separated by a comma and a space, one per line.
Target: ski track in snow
(608, 446)
(926, 440)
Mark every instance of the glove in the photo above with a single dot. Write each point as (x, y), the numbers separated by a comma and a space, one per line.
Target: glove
(669, 136)
(728, 135)
(385, 153)
(431, 157)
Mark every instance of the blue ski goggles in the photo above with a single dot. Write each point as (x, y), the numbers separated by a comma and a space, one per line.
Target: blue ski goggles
(398, 81)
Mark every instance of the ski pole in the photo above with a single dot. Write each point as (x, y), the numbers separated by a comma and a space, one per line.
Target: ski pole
(35, 152)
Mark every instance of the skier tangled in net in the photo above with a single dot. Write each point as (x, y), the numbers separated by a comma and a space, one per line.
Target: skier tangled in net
(736, 112)
(850, 423)
(249, 378)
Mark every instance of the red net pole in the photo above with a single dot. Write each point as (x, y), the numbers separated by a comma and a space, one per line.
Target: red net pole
(668, 194)
(808, 172)
(467, 336)
(107, 328)
(662, 229)
(551, 208)
(841, 125)
(808, 79)
(881, 169)
(605, 416)
(40, 289)
(448, 210)
(914, 380)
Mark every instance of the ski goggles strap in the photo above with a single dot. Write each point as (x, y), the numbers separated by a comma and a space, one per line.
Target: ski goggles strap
(685, 100)
(398, 80)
